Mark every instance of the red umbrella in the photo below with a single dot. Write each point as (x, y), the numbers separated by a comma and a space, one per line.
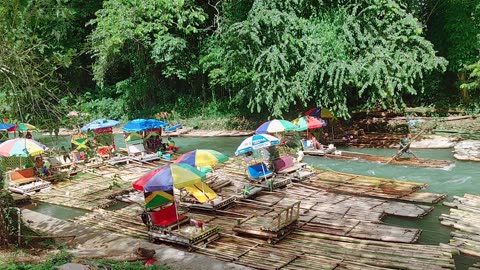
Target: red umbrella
(307, 122)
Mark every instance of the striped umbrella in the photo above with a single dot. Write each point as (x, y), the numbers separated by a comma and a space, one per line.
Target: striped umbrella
(165, 178)
(255, 142)
(307, 122)
(275, 126)
(21, 147)
(202, 157)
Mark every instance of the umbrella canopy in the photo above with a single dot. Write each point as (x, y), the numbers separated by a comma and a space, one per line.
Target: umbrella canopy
(143, 124)
(202, 157)
(255, 142)
(21, 147)
(100, 123)
(274, 126)
(165, 178)
(307, 122)
(4, 126)
(25, 127)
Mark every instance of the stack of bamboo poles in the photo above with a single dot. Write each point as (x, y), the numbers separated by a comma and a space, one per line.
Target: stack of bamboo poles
(465, 218)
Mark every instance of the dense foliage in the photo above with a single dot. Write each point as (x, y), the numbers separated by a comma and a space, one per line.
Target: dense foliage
(369, 53)
(125, 59)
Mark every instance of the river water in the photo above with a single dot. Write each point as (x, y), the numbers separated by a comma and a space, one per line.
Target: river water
(463, 177)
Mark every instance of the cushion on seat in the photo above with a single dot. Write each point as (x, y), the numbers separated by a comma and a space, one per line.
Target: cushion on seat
(166, 216)
(259, 170)
(283, 163)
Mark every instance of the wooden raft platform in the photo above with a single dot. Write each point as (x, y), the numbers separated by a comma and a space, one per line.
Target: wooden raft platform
(320, 212)
(335, 230)
(351, 184)
(465, 218)
(97, 187)
(306, 247)
(475, 267)
(420, 162)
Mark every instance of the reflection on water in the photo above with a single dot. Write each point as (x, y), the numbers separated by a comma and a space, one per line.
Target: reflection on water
(462, 178)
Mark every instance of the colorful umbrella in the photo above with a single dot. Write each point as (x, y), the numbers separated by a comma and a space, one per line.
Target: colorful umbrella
(321, 113)
(100, 123)
(275, 126)
(21, 147)
(143, 124)
(25, 127)
(202, 157)
(158, 198)
(307, 122)
(255, 142)
(165, 178)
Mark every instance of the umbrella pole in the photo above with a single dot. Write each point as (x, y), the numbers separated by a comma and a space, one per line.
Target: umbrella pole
(176, 213)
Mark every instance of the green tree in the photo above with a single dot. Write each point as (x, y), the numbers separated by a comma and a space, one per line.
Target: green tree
(473, 83)
(31, 54)
(145, 51)
(369, 53)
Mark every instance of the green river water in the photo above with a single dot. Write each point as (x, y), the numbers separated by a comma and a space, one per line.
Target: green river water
(462, 178)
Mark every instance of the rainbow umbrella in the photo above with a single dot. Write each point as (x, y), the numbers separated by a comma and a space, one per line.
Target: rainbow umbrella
(165, 178)
(275, 126)
(307, 122)
(21, 147)
(202, 157)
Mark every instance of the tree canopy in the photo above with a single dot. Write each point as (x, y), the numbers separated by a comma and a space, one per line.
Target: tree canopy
(118, 58)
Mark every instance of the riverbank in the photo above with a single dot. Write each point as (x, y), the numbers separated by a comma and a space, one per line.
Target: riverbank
(97, 243)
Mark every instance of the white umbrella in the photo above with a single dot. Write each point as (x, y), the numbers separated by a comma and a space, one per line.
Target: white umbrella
(255, 142)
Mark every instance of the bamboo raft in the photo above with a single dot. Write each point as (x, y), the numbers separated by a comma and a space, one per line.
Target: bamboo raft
(339, 224)
(475, 267)
(420, 162)
(464, 217)
(350, 184)
(95, 188)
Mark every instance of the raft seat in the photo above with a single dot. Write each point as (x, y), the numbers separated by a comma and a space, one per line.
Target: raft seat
(166, 216)
(207, 197)
(23, 176)
(285, 165)
(258, 171)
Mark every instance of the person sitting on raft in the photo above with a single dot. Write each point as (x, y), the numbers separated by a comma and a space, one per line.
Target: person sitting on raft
(405, 146)
(316, 144)
(41, 169)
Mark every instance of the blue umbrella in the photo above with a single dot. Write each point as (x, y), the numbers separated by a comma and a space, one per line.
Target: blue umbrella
(255, 142)
(100, 123)
(143, 124)
(4, 126)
